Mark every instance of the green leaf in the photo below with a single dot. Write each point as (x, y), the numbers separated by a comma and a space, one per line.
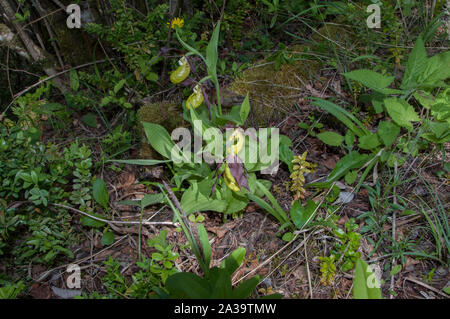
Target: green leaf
(288, 236)
(245, 289)
(415, 66)
(108, 238)
(395, 270)
(300, 215)
(331, 138)
(446, 290)
(286, 155)
(346, 163)
(401, 112)
(234, 260)
(436, 70)
(342, 115)
(188, 285)
(90, 222)
(74, 80)
(349, 138)
(245, 109)
(350, 177)
(151, 199)
(206, 247)
(195, 201)
(388, 132)
(119, 85)
(101, 193)
(368, 142)
(365, 283)
(90, 120)
(370, 78)
(161, 141)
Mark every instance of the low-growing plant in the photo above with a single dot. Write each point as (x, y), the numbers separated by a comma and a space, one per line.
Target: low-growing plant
(397, 138)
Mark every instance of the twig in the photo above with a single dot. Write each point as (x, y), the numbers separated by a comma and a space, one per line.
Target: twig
(114, 222)
(426, 286)
(391, 288)
(174, 198)
(7, 73)
(50, 32)
(307, 267)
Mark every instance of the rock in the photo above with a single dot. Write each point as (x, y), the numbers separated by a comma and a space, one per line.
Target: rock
(345, 197)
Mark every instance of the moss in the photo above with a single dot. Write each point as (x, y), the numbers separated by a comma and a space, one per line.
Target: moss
(166, 114)
(334, 32)
(274, 91)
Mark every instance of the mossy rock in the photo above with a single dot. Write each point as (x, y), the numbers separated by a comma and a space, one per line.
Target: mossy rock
(273, 91)
(166, 114)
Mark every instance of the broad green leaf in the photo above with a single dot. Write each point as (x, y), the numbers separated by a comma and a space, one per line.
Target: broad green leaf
(416, 64)
(245, 109)
(401, 112)
(90, 222)
(211, 52)
(331, 138)
(342, 115)
(371, 79)
(388, 132)
(349, 138)
(235, 202)
(245, 289)
(234, 260)
(188, 285)
(161, 141)
(436, 70)
(346, 163)
(108, 238)
(151, 199)
(368, 142)
(194, 201)
(365, 283)
(101, 193)
(301, 215)
(286, 156)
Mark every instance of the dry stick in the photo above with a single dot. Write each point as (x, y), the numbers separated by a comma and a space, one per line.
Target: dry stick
(59, 4)
(426, 286)
(42, 17)
(50, 32)
(307, 267)
(174, 199)
(393, 235)
(114, 222)
(7, 72)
